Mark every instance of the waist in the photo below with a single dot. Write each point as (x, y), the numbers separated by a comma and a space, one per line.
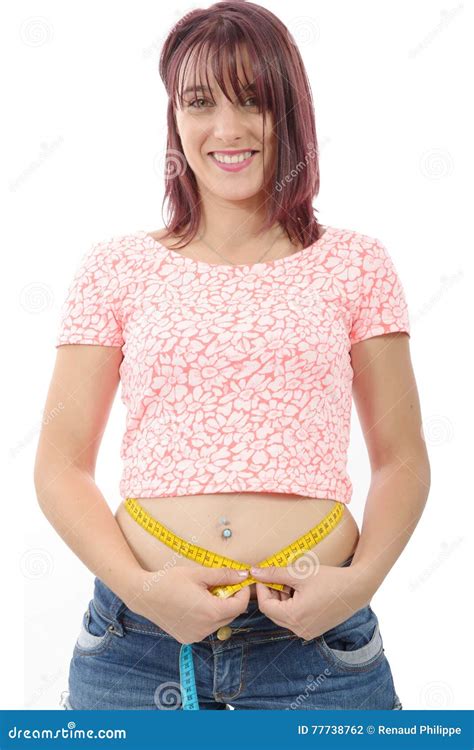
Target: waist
(260, 524)
(114, 609)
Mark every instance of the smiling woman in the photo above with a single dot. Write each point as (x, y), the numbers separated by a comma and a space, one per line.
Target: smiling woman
(237, 375)
(238, 84)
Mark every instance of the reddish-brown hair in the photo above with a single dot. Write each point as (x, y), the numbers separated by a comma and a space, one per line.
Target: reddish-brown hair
(214, 35)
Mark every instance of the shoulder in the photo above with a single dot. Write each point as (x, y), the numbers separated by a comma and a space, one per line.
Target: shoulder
(363, 252)
(362, 270)
(110, 246)
(160, 234)
(353, 240)
(114, 262)
(119, 249)
(165, 238)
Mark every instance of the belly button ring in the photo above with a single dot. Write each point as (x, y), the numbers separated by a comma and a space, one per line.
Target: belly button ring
(227, 532)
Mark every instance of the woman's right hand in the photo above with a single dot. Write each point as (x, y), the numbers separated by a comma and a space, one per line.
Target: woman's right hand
(180, 602)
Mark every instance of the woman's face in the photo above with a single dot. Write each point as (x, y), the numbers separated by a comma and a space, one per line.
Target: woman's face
(205, 126)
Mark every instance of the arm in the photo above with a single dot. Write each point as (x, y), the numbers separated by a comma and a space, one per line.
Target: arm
(387, 402)
(80, 397)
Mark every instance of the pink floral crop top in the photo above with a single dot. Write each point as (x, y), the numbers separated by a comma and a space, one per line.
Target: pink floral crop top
(235, 378)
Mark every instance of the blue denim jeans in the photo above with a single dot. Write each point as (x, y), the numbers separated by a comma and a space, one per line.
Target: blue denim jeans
(122, 661)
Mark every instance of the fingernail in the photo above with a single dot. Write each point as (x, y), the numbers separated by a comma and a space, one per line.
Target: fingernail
(256, 571)
(243, 573)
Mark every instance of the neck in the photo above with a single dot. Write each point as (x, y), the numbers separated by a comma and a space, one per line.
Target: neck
(234, 242)
(233, 226)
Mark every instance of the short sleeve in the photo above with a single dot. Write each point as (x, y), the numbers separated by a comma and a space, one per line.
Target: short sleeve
(381, 306)
(90, 312)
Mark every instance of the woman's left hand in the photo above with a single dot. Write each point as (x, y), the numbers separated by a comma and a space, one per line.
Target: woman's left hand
(324, 596)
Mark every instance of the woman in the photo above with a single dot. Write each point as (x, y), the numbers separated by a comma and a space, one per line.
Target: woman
(239, 333)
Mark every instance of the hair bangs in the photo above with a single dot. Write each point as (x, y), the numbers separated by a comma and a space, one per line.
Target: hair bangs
(221, 58)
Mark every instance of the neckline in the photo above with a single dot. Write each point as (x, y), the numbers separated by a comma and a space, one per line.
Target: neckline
(192, 262)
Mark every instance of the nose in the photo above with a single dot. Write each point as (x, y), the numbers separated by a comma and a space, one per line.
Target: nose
(228, 123)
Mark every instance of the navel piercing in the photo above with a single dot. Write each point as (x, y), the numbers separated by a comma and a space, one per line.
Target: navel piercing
(227, 532)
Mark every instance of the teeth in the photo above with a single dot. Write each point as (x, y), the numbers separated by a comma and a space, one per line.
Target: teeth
(225, 159)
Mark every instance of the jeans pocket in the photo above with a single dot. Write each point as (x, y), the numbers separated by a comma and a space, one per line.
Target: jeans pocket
(356, 643)
(96, 632)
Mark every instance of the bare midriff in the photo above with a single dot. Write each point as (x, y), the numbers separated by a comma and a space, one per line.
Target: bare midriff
(261, 524)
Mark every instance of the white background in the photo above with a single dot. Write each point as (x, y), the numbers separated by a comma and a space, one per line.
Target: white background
(84, 136)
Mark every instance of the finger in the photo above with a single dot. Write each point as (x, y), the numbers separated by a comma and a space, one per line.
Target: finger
(264, 592)
(209, 577)
(231, 606)
(275, 574)
(242, 596)
(269, 604)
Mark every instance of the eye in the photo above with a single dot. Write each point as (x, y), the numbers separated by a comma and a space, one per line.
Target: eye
(191, 104)
(201, 99)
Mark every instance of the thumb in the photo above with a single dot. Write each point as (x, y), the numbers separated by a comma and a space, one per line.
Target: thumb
(242, 597)
(231, 607)
(214, 576)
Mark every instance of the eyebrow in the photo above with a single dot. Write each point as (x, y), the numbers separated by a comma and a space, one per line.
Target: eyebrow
(191, 89)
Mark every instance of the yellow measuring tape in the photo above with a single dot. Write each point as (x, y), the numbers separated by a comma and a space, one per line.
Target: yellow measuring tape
(205, 557)
(209, 559)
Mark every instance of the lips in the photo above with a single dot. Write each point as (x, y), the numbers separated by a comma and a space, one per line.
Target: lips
(233, 153)
(236, 166)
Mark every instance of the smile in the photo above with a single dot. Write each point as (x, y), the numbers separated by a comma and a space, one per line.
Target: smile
(232, 164)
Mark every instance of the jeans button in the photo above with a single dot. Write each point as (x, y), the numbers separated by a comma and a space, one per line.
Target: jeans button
(224, 633)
